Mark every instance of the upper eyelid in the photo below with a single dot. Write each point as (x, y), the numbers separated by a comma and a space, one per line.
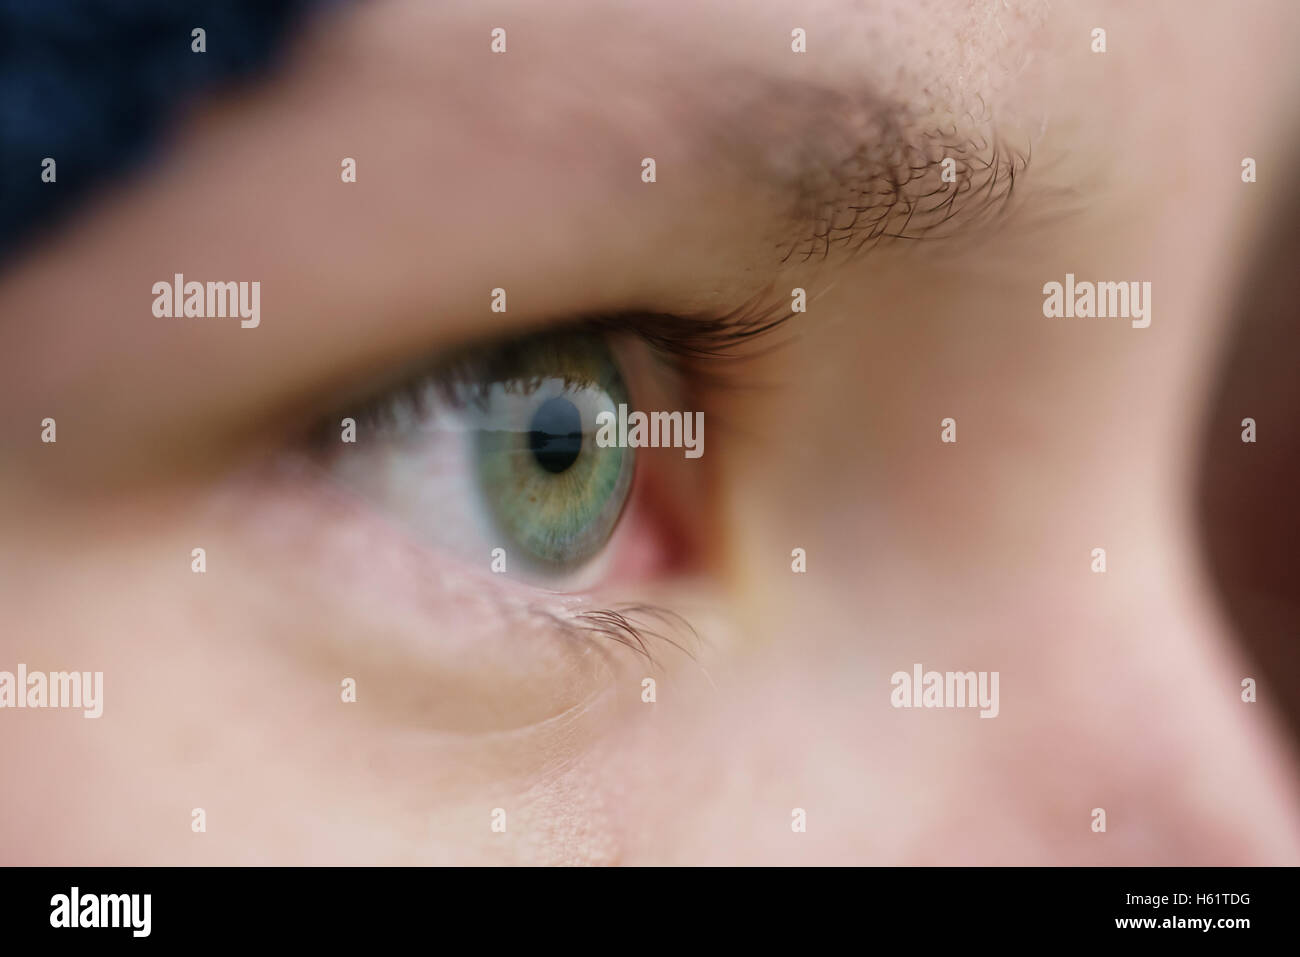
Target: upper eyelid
(672, 336)
(702, 336)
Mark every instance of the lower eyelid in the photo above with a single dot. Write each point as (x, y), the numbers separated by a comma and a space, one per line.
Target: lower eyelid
(431, 645)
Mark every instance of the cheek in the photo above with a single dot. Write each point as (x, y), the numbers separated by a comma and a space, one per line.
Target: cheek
(341, 591)
(224, 691)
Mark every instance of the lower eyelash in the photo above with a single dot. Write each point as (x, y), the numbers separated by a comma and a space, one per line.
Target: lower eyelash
(630, 625)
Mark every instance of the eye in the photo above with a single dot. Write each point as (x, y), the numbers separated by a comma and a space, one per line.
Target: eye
(552, 493)
(496, 449)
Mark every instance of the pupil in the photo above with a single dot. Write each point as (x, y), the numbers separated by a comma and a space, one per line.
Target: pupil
(555, 435)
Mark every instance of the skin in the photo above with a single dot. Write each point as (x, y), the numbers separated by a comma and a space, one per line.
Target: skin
(522, 171)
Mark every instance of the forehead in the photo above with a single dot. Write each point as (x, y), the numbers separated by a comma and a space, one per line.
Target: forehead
(820, 116)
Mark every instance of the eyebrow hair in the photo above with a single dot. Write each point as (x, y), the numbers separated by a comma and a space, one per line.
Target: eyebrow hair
(854, 169)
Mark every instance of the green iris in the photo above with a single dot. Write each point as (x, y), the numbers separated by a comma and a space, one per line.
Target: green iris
(551, 492)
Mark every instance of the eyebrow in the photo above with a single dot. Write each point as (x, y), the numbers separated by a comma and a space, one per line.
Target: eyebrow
(849, 169)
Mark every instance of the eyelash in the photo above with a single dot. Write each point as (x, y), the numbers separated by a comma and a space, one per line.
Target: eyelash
(701, 337)
(626, 626)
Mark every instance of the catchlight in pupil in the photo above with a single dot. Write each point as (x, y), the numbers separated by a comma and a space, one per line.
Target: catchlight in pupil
(555, 435)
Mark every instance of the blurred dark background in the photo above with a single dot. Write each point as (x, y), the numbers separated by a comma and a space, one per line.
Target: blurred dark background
(1248, 492)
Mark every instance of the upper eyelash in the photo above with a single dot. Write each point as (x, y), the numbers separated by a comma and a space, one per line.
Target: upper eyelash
(700, 336)
(686, 342)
